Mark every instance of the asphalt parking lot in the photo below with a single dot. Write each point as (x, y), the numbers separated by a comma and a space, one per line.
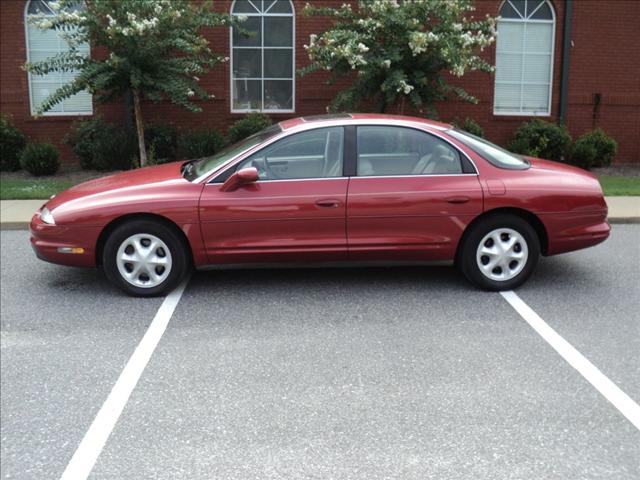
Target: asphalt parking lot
(324, 373)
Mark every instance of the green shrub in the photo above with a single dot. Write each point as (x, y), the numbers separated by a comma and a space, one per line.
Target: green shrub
(538, 138)
(583, 155)
(471, 126)
(12, 142)
(594, 149)
(101, 145)
(162, 139)
(247, 126)
(40, 159)
(202, 143)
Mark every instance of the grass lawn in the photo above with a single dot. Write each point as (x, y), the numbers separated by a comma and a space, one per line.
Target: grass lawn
(27, 189)
(615, 186)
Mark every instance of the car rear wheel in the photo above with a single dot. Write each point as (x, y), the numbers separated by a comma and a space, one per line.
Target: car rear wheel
(145, 258)
(500, 253)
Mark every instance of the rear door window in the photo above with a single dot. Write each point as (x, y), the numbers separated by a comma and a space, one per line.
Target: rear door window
(390, 151)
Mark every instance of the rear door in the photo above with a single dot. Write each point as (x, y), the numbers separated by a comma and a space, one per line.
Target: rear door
(294, 212)
(411, 198)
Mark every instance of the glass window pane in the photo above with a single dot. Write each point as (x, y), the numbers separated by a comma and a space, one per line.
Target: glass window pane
(247, 95)
(312, 154)
(535, 98)
(538, 37)
(507, 11)
(39, 7)
(41, 90)
(404, 151)
(543, 13)
(244, 6)
(278, 6)
(80, 102)
(510, 37)
(532, 5)
(278, 95)
(252, 25)
(278, 31)
(509, 67)
(537, 68)
(278, 63)
(247, 63)
(520, 6)
(42, 39)
(507, 98)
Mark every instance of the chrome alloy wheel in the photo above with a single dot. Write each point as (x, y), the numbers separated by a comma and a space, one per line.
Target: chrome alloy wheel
(144, 260)
(502, 254)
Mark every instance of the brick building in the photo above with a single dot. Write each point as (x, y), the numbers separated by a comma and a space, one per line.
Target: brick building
(574, 60)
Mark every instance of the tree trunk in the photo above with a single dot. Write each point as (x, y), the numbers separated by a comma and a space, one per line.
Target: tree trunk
(402, 100)
(139, 127)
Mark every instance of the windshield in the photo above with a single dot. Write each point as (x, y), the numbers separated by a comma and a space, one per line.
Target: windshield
(199, 167)
(494, 154)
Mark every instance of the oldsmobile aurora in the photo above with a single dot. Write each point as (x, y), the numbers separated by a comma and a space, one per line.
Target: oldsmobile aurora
(344, 188)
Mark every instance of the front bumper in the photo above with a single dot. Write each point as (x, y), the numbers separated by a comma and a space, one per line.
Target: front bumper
(46, 240)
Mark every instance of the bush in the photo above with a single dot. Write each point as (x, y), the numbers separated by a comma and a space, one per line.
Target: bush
(200, 143)
(40, 159)
(247, 126)
(101, 145)
(471, 126)
(538, 138)
(162, 140)
(594, 149)
(12, 142)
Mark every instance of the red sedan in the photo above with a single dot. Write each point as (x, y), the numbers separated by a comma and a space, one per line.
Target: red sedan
(340, 188)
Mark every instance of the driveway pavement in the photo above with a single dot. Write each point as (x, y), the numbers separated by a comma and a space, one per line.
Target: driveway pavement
(338, 373)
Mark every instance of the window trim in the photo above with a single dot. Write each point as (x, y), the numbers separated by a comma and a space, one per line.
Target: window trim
(426, 132)
(32, 110)
(522, 83)
(291, 15)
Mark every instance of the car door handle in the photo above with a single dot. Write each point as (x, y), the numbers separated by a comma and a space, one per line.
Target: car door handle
(328, 203)
(458, 199)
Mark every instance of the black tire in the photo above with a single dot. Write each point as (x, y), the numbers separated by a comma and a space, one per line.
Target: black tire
(180, 258)
(467, 261)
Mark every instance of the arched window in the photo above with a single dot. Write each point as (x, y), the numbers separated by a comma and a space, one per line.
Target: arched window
(263, 64)
(524, 58)
(42, 44)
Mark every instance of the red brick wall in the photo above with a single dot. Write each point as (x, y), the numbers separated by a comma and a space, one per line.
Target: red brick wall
(603, 59)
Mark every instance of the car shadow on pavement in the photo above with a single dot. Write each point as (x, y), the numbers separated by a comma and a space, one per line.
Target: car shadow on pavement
(343, 279)
(563, 271)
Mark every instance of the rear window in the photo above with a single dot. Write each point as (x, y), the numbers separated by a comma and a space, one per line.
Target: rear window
(494, 154)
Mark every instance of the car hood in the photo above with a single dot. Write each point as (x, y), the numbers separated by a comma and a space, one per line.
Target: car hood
(122, 183)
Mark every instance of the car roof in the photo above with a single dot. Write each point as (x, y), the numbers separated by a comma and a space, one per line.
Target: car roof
(360, 119)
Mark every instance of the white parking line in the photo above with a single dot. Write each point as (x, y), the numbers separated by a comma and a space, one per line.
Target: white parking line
(94, 440)
(588, 370)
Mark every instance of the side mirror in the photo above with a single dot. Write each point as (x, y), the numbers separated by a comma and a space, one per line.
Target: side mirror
(241, 177)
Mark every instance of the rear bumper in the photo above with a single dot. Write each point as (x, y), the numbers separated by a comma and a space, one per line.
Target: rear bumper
(570, 231)
(47, 240)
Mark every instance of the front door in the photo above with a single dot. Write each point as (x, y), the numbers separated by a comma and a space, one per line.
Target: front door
(294, 212)
(412, 197)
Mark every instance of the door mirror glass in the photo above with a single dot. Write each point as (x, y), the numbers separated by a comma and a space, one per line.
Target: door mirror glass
(239, 178)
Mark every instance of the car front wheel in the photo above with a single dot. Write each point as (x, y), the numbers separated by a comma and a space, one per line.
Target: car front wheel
(145, 258)
(500, 253)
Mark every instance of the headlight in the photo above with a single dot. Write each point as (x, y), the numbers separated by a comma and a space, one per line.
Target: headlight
(46, 216)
